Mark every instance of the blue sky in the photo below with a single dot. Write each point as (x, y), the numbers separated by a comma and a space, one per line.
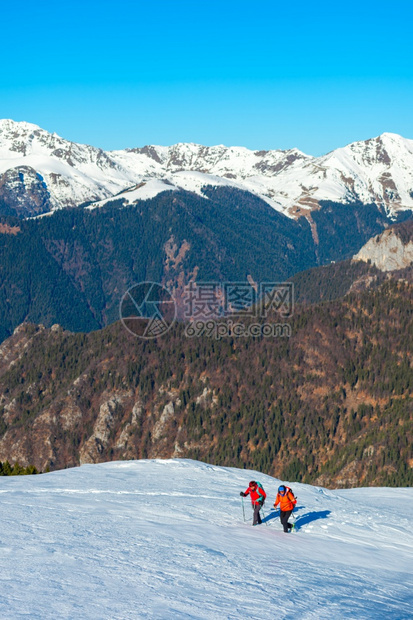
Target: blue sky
(260, 74)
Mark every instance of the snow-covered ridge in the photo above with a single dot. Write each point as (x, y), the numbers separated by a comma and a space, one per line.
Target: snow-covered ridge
(167, 539)
(378, 170)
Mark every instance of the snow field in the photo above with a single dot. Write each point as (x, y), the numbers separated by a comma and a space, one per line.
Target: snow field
(166, 539)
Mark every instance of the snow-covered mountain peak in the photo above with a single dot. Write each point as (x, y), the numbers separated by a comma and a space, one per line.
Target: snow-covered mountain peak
(20, 127)
(8, 124)
(395, 138)
(21, 139)
(71, 173)
(378, 170)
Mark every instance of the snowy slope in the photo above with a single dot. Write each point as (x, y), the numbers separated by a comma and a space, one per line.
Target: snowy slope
(166, 539)
(378, 170)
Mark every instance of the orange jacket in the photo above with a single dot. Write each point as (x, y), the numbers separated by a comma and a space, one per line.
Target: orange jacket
(286, 501)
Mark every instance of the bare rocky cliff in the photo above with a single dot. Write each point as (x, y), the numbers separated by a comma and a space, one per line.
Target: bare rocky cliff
(391, 250)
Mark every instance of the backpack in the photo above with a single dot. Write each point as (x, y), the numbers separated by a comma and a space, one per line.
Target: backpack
(288, 490)
(261, 488)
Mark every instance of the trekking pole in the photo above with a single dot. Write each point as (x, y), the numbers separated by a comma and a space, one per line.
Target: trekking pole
(293, 519)
(243, 509)
(262, 508)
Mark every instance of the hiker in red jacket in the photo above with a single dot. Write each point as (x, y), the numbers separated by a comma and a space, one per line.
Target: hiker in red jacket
(285, 497)
(258, 495)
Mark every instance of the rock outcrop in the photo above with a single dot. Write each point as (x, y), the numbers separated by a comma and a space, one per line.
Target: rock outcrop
(391, 250)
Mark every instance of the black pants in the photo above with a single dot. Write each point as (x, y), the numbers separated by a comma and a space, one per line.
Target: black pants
(257, 516)
(284, 516)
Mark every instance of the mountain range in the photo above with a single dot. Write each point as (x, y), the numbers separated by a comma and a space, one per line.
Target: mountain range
(41, 172)
(335, 400)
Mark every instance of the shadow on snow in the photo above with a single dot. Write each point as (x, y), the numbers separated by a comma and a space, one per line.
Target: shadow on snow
(300, 520)
(309, 517)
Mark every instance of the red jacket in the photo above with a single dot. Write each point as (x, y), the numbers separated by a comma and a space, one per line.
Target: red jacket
(258, 495)
(286, 501)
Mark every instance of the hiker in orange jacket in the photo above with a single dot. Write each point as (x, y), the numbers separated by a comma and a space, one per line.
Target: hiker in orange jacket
(258, 496)
(287, 501)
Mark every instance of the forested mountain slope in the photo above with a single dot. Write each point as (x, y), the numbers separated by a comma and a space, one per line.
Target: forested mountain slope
(73, 267)
(330, 405)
